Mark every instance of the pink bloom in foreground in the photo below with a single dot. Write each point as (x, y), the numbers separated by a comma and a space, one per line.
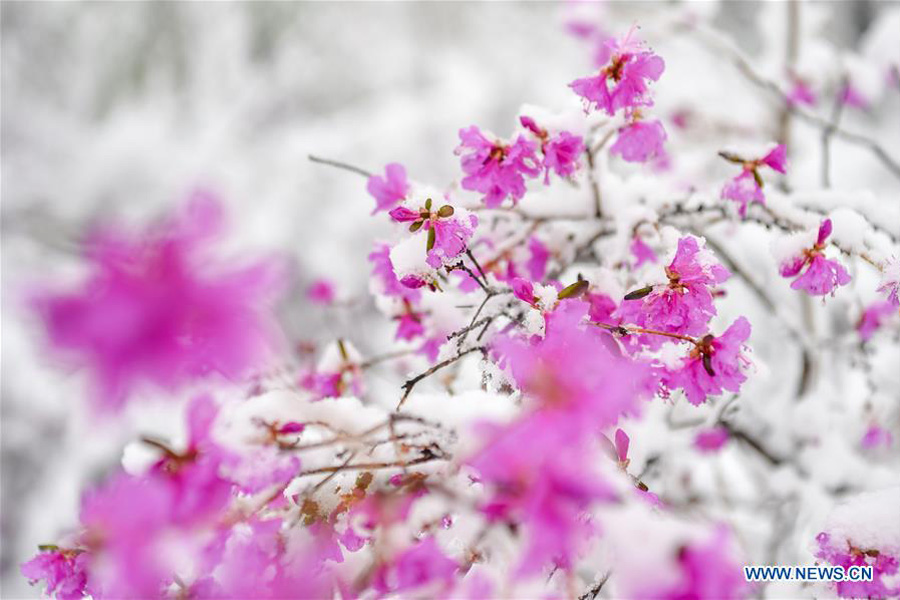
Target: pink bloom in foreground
(711, 440)
(390, 189)
(622, 82)
(63, 571)
(494, 168)
(684, 305)
(708, 571)
(817, 275)
(321, 292)
(422, 564)
(746, 187)
(640, 141)
(154, 309)
(714, 365)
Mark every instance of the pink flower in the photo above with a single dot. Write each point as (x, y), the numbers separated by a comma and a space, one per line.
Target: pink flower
(495, 169)
(409, 326)
(390, 189)
(422, 564)
(64, 571)
(449, 230)
(622, 442)
(154, 309)
(711, 440)
(843, 553)
(622, 82)
(386, 281)
(714, 365)
(561, 151)
(747, 186)
(640, 141)
(873, 318)
(641, 251)
(602, 308)
(877, 436)
(523, 290)
(685, 305)
(708, 571)
(540, 476)
(851, 96)
(321, 292)
(801, 93)
(822, 276)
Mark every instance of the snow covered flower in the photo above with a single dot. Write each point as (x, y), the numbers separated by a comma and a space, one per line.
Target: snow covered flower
(747, 186)
(390, 189)
(622, 82)
(639, 141)
(863, 531)
(449, 230)
(708, 571)
(819, 275)
(385, 280)
(494, 168)
(685, 304)
(712, 439)
(155, 309)
(561, 150)
(714, 364)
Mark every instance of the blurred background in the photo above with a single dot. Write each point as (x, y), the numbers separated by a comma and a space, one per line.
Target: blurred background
(120, 109)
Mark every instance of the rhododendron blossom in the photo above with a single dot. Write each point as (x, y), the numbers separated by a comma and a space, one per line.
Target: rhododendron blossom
(622, 82)
(390, 189)
(684, 305)
(715, 364)
(747, 187)
(818, 275)
(494, 168)
(640, 141)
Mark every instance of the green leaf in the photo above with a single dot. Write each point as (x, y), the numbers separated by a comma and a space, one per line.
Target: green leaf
(415, 226)
(574, 290)
(428, 204)
(638, 294)
(707, 364)
(432, 238)
(756, 176)
(446, 211)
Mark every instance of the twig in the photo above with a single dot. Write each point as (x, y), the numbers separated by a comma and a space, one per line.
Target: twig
(477, 266)
(410, 384)
(595, 188)
(628, 329)
(594, 590)
(371, 466)
(339, 165)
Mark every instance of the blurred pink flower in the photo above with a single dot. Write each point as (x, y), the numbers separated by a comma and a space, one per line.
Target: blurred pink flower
(712, 439)
(746, 187)
(154, 309)
(640, 141)
(873, 317)
(321, 292)
(64, 572)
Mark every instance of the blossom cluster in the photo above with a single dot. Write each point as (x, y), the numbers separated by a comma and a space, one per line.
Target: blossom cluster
(560, 333)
